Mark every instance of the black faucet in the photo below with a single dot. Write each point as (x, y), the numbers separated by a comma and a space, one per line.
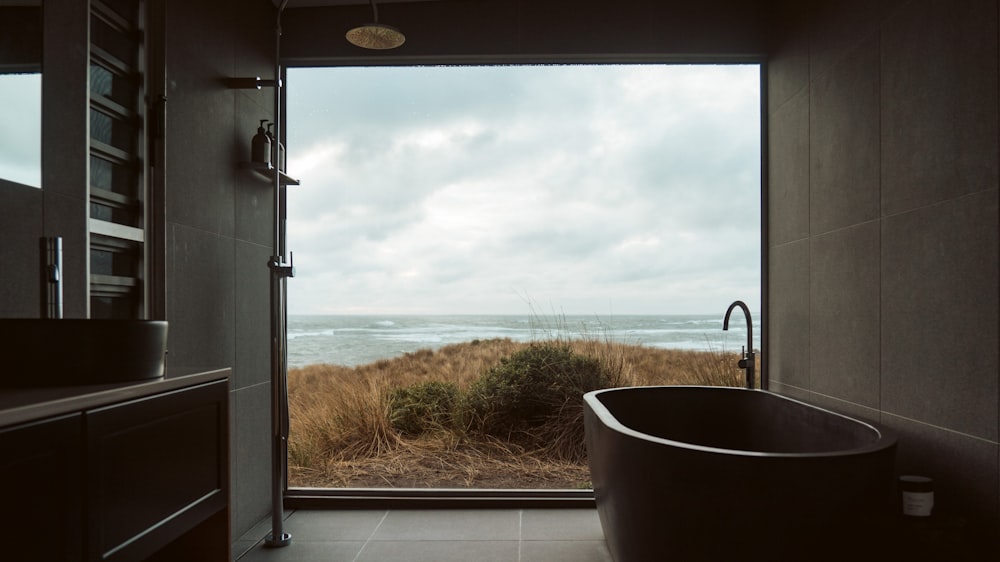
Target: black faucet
(748, 361)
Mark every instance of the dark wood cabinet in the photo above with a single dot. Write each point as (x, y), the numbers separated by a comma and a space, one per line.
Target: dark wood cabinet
(41, 512)
(141, 475)
(156, 468)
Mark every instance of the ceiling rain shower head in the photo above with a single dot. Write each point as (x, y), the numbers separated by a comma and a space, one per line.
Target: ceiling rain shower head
(375, 35)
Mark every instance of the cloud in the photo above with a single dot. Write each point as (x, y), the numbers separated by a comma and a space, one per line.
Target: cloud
(470, 189)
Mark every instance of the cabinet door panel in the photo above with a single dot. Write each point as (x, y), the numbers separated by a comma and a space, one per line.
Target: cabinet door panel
(158, 466)
(42, 507)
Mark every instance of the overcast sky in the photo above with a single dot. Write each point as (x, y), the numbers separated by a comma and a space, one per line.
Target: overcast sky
(597, 190)
(21, 128)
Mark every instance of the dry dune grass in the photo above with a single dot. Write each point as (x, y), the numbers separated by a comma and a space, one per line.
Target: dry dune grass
(341, 434)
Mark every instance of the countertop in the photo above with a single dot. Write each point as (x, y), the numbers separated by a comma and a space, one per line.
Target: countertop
(20, 405)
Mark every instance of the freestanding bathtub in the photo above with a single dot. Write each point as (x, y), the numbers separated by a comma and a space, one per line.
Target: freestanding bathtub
(711, 473)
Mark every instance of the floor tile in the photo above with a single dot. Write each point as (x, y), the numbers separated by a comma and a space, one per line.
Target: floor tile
(307, 551)
(326, 525)
(260, 530)
(241, 547)
(564, 551)
(561, 525)
(532, 535)
(443, 525)
(439, 551)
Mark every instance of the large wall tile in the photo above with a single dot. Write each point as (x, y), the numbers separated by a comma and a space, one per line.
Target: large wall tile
(202, 156)
(21, 209)
(253, 315)
(788, 171)
(788, 65)
(788, 69)
(253, 23)
(940, 315)
(939, 102)
(203, 160)
(254, 195)
(788, 356)
(251, 456)
(202, 35)
(65, 89)
(844, 142)
(838, 26)
(964, 468)
(844, 314)
(200, 307)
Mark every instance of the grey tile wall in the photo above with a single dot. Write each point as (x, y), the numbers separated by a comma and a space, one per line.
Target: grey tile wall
(970, 491)
(201, 304)
(837, 27)
(251, 28)
(251, 456)
(844, 314)
(19, 250)
(939, 102)
(788, 170)
(254, 195)
(788, 60)
(788, 356)
(200, 158)
(253, 315)
(939, 331)
(219, 219)
(65, 129)
(901, 256)
(843, 142)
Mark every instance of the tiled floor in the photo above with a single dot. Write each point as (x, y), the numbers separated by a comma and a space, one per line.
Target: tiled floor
(510, 535)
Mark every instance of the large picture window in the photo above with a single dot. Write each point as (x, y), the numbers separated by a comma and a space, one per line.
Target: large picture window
(452, 221)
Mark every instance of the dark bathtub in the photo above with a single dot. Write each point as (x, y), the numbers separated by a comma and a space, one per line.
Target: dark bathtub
(704, 473)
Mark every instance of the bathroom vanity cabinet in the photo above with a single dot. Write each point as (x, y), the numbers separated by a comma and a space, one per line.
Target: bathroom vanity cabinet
(43, 498)
(124, 473)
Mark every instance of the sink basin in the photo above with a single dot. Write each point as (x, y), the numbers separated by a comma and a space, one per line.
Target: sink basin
(39, 352)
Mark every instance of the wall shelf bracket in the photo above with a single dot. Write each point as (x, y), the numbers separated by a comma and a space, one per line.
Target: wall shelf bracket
(251, 83)
(267, 171)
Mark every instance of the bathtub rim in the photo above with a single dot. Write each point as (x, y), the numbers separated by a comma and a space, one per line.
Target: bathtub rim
(886, 438)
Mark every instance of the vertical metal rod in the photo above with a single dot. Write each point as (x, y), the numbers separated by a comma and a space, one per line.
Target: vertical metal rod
(51, 277)
(279, 365)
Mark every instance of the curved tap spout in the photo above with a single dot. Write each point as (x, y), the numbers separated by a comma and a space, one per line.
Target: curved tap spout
(748, 361)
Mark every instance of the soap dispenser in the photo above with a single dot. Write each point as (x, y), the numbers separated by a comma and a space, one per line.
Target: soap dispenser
(260, 146)
(280, 157)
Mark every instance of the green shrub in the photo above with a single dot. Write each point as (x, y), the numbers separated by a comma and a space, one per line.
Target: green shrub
(423, 407)
(535, 398)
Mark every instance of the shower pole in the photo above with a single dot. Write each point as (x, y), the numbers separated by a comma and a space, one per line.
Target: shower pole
(280, 272)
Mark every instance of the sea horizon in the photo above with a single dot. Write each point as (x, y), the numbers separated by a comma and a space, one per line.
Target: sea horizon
(359, 339)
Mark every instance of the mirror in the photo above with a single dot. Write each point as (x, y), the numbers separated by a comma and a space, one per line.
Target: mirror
(21, 92)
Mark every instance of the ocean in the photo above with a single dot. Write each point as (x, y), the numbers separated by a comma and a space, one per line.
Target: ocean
(359, 340)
